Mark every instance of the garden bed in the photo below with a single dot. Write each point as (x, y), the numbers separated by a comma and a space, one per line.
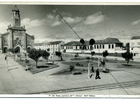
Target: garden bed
(41, 67)
(68, 72)
(131, 66)
(80, 63)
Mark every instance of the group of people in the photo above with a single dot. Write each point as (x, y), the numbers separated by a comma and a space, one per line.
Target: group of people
(101, 62)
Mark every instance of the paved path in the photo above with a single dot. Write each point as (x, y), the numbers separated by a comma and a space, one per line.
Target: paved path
(54, 70)
(18, 81)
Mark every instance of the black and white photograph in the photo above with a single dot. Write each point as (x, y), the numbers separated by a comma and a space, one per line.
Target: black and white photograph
(70, 50)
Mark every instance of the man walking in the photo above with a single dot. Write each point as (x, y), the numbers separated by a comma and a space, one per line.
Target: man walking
(97, 74)
(6, 62)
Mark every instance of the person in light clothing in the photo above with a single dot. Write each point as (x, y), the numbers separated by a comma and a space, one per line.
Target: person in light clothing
(6, 62)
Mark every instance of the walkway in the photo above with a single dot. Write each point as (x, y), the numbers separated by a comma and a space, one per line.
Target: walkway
(19, 81)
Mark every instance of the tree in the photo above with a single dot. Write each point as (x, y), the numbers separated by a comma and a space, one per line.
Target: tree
(71, 68)
(64, 50)
(82, 41)
(103, 61)
(59, 54)
(48, 49)
(127, 56)
(34, 54)
(76, 55)
(45, 54)
(92, 53)
(91, 41)
(105, 53)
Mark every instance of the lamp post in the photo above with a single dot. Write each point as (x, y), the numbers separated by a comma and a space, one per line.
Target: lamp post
(91, 42)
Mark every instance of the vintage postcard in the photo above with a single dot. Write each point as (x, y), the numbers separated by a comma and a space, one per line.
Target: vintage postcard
(69, 50)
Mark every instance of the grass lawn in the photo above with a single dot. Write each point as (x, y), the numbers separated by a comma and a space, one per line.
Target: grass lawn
(80, 63)
(78, 69)
(42, 65)
(68, 72)
(108, 60)
(130, 66)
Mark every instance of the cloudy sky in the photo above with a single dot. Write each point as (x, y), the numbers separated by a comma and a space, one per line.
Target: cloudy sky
(88, 21)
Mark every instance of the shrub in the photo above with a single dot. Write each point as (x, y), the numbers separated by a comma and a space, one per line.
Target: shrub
(127, 56)
(35, 54)
(92, 53)
(77, 73)
(76, 55)
(78, 64)
(71, 68)
(26, 61)
(59, 54)
(45, 54)
(105, 53)
(87, 58)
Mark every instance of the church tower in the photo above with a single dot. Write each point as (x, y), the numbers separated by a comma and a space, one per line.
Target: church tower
(16, 17)
(16, 36)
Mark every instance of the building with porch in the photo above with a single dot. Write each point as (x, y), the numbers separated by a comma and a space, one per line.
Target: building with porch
(16, 35)
(112, 45)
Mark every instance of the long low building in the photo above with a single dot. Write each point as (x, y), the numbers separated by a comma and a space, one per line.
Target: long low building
(52, 47)
(112, 45)
(135, 46)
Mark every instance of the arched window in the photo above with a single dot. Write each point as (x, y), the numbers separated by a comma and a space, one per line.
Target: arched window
(109, 46)
(112, 46)
(94, 46)
(103, 46)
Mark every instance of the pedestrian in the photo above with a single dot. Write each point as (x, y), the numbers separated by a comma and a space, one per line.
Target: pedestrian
(6, 62)
(99, 62)
(26, 67)
(103, 61)
(92, 68)
(97, 74)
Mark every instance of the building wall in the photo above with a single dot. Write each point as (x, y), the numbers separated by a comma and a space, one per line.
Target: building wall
(135, 47)
(0, 42)
(98, 48)
(134, 43)
(53, 48)
(30, 41)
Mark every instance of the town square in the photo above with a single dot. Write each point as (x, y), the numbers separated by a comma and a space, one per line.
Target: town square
(70, 50)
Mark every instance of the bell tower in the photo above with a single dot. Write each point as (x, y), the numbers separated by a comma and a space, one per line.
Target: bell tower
(16, 17)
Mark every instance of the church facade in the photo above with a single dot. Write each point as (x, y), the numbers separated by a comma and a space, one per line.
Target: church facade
(16, 36)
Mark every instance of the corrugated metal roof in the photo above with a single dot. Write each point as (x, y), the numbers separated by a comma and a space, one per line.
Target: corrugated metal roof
(105, 41)
(72, 43)
(54, 42)
(135, 37)
(108, 41)
(45, 43)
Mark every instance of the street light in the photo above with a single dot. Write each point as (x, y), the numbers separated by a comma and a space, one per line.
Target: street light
(91, 42)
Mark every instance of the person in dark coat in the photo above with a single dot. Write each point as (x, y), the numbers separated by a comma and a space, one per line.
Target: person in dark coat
(97, 74)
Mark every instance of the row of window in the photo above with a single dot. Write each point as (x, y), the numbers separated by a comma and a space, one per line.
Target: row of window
(110, 46)
(50, 45)
(132, 43)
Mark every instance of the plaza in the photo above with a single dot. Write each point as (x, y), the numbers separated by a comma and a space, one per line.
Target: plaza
(43, 22)
(120, 81)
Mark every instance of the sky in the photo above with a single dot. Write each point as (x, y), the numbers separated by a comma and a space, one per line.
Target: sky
(88, 21)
